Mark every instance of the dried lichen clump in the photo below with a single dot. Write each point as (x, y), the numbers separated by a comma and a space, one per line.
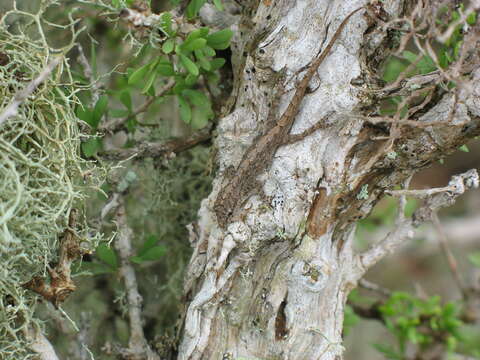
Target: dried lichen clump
(40, 174)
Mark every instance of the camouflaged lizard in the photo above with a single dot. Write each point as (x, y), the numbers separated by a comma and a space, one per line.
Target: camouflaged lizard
(259, 155)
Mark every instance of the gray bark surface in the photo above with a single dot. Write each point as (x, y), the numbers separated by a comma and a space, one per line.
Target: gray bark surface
(273, 285)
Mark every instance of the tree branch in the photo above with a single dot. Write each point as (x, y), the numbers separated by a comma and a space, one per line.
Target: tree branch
(138, 348)
(61, 284)
(156, 150)
(115, 124)
(404, 229)
(40, 344)
(21, 96)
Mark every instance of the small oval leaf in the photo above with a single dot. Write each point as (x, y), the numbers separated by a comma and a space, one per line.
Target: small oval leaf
(168, 46)
(185, 110)
(153, 253)
(189, 65)
(107, 255)
(138, 75)
(220, 40)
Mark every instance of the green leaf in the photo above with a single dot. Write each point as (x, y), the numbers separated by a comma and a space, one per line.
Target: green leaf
(426, 65)
(91, 147)
(85, 114)
(193, 8)
(410, 56)
(195, 34)
(189, 65)
(218, 4)
(168, 46)
(99, 110)
(179, 85)
(131, 124)
(118, 113)
(220, 40)
(213, 78)
(209, 51)
(107, 255)
(166, 23)
(136, 259)
(444, 58)
(185, 110)
(138, 74)
(191, 80)
(198, 33)
(472, 18)
(165, 69)
(126, 99)
(217, 63)
(475, 258)
(200, 117)
(457, 48)
(148, 244)
(194, 45)
(464, 148)
(393, 68)
(197, 98)
(154, 253)
(202, 60)
(151, 91)
(151, 79)
(388, 351)
(97, 268)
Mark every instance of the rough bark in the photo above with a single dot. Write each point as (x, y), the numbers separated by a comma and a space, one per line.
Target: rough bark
(274, 284)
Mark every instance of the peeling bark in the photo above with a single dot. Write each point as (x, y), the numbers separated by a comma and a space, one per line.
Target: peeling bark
(273, 285)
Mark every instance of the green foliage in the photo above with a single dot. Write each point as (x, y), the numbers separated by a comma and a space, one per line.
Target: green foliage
(350, 319)
(464, 148)
(92, 117)
(187, 59)
(420, 322)
(420, 63)
(193, 8)
(107, 255)
(149, 251)
(474, 258)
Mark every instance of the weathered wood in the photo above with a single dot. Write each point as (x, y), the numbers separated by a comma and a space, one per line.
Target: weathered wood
(273, 282)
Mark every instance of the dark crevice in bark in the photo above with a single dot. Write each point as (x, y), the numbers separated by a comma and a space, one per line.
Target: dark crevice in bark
(281, 331)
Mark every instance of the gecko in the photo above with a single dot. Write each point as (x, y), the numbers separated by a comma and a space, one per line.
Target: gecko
(259, 155)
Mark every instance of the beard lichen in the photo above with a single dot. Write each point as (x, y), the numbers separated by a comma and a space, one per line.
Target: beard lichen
(41, 171)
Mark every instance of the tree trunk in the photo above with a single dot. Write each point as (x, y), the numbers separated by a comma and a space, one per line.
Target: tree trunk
(273, 283)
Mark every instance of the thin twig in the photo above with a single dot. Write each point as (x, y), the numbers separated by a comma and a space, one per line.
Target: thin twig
(420, 193)
(40, 344)
(160, 149)
(115, 124)
(371, 312)
(474, 6)
(87, 70)
(21, 96)
(365, 284)
(138, 347)
(404, 228)
(452, 262)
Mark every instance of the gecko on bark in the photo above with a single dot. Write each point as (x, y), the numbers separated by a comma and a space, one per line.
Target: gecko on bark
(259, 155)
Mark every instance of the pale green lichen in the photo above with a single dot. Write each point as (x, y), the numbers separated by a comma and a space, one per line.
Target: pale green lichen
(363, 194)
(41, 173)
